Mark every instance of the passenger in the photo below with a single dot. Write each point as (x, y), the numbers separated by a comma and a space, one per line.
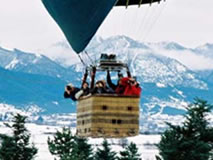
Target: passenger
(84, 91)
(132, 87)
(118, 88)
(85, 88)
(71, 92)
(107, 89)
(99, 88)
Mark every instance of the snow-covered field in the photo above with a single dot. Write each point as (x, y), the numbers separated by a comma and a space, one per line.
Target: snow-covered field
(40, 133)
(42, 127)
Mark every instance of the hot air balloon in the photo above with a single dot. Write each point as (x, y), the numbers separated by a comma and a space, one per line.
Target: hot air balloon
(100, 115)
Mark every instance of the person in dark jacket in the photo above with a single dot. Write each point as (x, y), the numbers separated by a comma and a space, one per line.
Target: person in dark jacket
(118, 88)
(71, 92)
(84, 91)
(85, 88)
(99, 88)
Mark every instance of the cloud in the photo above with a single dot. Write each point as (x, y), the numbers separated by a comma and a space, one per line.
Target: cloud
(190, 59)
(25, 24)
(61, 52)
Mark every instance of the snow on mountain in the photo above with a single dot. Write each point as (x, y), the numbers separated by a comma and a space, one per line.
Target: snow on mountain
(17, 60)
(159, 69)
(62, 53)
(166, 46)
(206, 49)
(33, 114)
(112, 44)
(8, 111)
(12, 64)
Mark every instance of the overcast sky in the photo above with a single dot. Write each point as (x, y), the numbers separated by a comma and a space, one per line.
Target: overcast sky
(25, 24)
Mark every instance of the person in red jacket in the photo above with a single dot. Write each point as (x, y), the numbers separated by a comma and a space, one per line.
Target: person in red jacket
(131, 86)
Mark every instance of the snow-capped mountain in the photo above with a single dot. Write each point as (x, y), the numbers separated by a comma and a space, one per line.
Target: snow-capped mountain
(17, 60)
(168, 83)
(7, 112)
(206, 50)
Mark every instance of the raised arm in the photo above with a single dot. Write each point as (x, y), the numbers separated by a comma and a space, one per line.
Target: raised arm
(109, 81)
(93, 77)
(128, 72)
(84, 78)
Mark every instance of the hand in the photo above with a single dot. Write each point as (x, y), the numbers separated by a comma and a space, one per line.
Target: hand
(92, 74)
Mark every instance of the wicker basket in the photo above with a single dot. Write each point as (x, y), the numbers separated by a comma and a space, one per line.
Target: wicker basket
(108, 116)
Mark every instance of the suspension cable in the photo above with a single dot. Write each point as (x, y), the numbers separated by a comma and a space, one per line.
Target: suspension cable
(82, 60)
(151, 20)
(157, 16)
(141, 28)
(93, 63)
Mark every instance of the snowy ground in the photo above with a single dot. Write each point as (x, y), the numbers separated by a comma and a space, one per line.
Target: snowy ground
(40, 133)
(42, 127)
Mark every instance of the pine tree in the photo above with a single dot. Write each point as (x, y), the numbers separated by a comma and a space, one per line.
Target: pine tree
(62, 144)
(69, 147)
(191, 141)
(130, 153)
(7, 147)
(17, 146)
(82, 150)
(106, 153)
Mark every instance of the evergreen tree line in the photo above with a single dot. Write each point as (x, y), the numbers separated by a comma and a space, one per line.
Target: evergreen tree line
(193, 140)
(70, 147)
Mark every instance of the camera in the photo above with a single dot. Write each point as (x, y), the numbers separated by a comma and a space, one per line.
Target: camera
(120, 75)
(69, 88)
(131, 82)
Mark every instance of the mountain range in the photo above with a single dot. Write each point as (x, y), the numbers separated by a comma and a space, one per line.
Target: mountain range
(168, 83)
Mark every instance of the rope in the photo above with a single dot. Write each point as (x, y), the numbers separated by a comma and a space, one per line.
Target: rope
(89, 58)
(141, 28)
(154, 22)
(116, 27)
(151, 19)
(148, 22)
(81, 60)
(119, 25)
